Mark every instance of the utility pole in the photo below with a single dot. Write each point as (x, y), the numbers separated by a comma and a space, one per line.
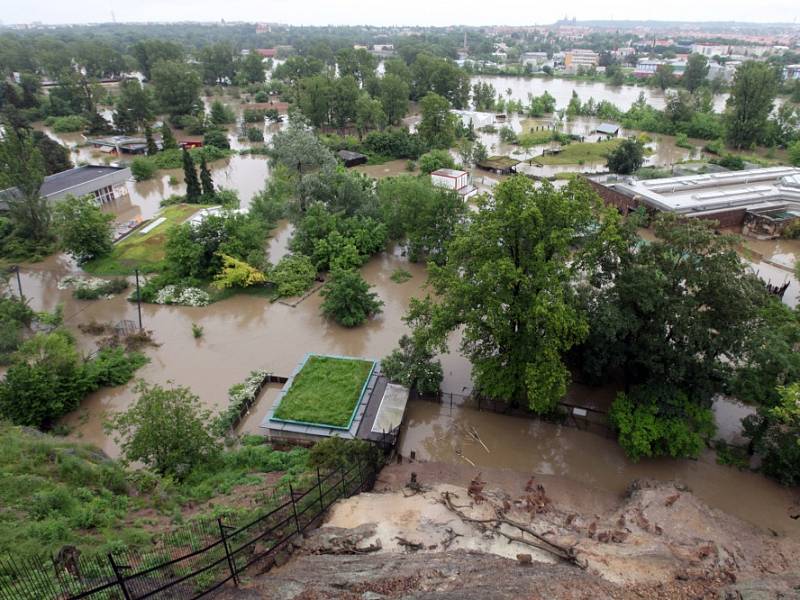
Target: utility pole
(15, 269)
(138, 299)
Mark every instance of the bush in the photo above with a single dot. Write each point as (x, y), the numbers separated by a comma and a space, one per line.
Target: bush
(434, 160)
(293, 275)
(413, 366)
(347, 299)
(101, 289)
(68, 124)
(143, 168)
(335, 453)
(507, 135)
(682, 141)
(253, 115)
(729, 161)
(714, 147)
(84, 229)
(254, 135)
(217, 138)
(794, 154)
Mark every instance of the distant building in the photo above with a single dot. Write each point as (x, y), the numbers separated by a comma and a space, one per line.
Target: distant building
(580, 58)
(732, 198)
(609, 129)
(90, 180)
(266, 52)
(352, 159)
(710, 50)
(791, 72)
(455, 180)
(646, 68)
(534, 59)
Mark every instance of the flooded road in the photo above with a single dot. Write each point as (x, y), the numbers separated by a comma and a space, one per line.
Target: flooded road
(435, 432)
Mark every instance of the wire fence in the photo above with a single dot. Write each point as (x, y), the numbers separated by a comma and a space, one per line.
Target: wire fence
(191, 561)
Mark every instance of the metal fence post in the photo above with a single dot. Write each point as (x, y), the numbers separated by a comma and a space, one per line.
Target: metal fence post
(118, 575)
(231, 565)
(319, 486)
(294, 509)
(344, 485)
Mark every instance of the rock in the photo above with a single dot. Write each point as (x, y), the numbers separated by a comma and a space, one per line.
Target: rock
(524, 559)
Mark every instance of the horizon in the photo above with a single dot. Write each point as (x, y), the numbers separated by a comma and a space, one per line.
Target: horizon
(351, 13)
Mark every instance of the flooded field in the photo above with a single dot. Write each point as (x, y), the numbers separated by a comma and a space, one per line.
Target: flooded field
(435, 432)
(561, 89)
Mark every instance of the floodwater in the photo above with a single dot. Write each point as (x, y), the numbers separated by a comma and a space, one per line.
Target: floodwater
(241, 334)
(435, 432)
(561, 89)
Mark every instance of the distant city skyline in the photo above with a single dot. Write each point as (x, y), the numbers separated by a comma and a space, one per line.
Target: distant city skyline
(410, 12)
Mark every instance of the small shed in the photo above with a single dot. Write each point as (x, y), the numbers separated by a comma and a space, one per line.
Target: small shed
(351, 159)
(452, 179)
(609, 129)
(502, 165)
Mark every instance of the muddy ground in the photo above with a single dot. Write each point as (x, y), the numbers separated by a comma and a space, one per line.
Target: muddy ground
(500, 534)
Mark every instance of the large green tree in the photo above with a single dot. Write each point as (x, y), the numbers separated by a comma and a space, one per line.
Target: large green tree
(626, 158)
(166, 429)
(135, 107)
(193, 190)
(753, 92)
(507, 283)
(695, 73)
(394, 97)
(177, 87)
(84, 230)
(437, 128)
(347, 299)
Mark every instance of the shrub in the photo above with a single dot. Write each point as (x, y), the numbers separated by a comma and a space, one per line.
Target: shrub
(68, 124)
(507, 135)
(412, 365)
(347, 299)
(335, 453)
(143, 168)
(253, 115)
(794, 154)
(197, 331)
(217, 138)
(94, 289)
(254, 135)
(436, 159)
(682, 141)
(293, 275)
(729, 161)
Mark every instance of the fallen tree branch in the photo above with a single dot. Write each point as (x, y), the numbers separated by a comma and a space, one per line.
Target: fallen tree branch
(567, 554)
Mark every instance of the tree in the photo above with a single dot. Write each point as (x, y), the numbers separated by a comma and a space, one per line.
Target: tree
(218, 65)
(221, 114)
(168, 141)
(44, 382)
(236, 273)
(436, 159)
(135, 107)
(425, 217)
(506, 284)
(299, 149)
(752, 95)
(166, 429)
(437, 128)
(152, 148)
(695, 73)
(22, 167)
(56, 156)
(85, 230)
(369, 114)
(216, 137)
(343, 100)
(394, 97)
(316, 98)
(177, 87)
(774, 434)
(626, 158)
(664, 77)
(148, 52)
(794, 154)
(672, 317)
(251, 68)
(347, 299)
(193, 190)
(413, 366)
(206, 183)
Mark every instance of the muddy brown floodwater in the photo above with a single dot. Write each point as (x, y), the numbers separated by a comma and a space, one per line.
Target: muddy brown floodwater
(241, 334)
(435, 432)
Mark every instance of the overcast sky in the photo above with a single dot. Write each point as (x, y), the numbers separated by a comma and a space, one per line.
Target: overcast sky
(405, 12)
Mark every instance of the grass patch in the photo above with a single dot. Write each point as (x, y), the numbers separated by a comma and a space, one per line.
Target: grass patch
(143, 251)
(580, 152)
(400, 276)
(325, 391)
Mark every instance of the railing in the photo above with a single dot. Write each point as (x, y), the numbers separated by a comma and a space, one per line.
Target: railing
(189, 562)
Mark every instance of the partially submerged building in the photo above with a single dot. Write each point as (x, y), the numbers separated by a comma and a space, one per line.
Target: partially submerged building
(453, 179)
(502, 165)
(352, 159)
(763, 200)
(378, 409)
(90, 180)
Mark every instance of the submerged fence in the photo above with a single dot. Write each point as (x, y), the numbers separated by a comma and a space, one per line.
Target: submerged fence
(191, 561)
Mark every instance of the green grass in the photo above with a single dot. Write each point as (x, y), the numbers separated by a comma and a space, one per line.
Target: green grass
(144, 252)
(580, 152)
(325, 391)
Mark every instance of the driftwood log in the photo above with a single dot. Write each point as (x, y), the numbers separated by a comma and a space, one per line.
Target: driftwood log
(565, 553)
